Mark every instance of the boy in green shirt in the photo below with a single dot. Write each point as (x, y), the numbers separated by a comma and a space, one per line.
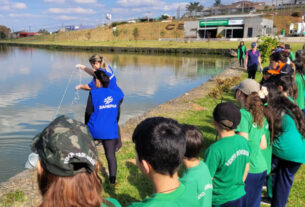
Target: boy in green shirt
(197, 174)
(160, 147)
(228, 158)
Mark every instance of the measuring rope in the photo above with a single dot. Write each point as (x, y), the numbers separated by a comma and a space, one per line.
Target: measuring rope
(65, 92)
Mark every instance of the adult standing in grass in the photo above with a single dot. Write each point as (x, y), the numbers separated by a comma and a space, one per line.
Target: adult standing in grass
(252, 127)
(241, 53)
(101, 116)
(67, 169)
(288, 149)
(98, 62)
(228, 158)
(197, 174)
(253, 61)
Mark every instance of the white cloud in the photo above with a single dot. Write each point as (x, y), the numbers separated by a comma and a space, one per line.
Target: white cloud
(26, 15)
(18, 5)
(64, 17)
(54, 1)
(7, 6)
(85, 1)
(77, 10)
(139, 3)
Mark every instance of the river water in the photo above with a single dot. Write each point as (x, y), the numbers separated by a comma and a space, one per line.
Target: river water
(36, 83)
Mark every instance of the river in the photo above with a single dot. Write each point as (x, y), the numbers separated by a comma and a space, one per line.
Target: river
(36, 83)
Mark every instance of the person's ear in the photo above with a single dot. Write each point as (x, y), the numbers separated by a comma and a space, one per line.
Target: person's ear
(281, 88)
(98, 83)
(39, 167)
(146, 167)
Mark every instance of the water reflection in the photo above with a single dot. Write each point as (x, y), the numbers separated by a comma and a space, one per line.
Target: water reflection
(33, 82)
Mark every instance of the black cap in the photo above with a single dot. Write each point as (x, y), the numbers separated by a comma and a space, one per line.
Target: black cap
(227, 114)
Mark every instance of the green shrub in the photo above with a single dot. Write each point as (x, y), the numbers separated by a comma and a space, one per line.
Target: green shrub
(266, 46)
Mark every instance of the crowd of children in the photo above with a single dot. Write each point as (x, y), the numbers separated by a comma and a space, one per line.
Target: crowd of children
(261, 143)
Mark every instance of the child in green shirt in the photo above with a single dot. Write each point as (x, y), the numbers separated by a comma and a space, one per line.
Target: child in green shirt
(252, 127)
(197, 174)
(228, 158)
(160, 147)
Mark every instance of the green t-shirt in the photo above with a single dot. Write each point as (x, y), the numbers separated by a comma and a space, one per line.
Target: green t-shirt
(199, 178)
(246, 125)
(267, 153)
(300, 82)
(112, 201)
(183, 196)
(226, 160)
(290, 145)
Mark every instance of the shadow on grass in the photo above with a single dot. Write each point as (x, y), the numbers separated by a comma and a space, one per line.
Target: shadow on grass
(124, 199)
(138, 180)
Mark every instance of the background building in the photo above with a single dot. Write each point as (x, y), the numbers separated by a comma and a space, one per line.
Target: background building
(229, 26)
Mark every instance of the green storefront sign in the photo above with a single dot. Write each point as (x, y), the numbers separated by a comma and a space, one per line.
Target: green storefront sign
(213, 23)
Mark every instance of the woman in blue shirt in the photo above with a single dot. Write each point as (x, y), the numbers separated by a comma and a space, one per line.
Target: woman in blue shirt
(101, 116)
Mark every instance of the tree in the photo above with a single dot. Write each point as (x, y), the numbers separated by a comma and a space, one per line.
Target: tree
(4, 31)
(194, 7)
(43, 31)
(217, 2)
(135, 33)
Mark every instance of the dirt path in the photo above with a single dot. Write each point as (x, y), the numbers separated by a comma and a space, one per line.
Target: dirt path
(26, 180)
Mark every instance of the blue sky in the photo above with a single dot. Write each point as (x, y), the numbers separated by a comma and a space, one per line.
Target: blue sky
(52, 14)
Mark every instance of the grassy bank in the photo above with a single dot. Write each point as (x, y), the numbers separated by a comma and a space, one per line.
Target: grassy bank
(133, 186)
(147, 44)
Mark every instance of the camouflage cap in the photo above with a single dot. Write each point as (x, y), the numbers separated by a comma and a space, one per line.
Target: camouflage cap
(65, 147)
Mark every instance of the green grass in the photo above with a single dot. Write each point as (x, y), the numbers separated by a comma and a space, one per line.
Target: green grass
(144, 43)
(12, 199)
(133, 186)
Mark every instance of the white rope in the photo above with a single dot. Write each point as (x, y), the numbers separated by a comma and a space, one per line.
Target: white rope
(63, 95)
(76, 94)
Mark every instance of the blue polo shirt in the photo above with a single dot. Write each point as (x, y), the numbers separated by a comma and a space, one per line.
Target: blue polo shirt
(252, 60)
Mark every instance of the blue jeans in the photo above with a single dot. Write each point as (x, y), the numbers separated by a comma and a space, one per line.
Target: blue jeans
(282, 180)
(235, 203)
(253, 186)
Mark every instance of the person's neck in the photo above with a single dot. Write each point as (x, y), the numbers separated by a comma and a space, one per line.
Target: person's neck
(225, 133)
(189, 163)
(165, 183)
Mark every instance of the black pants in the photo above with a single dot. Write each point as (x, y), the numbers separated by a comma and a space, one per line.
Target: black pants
(241, 62)
(109, 148)
(251, 74)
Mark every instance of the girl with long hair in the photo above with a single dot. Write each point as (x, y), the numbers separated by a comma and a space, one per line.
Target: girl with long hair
(253, 127)
(241, 53)
(288, 149)
(67, 169)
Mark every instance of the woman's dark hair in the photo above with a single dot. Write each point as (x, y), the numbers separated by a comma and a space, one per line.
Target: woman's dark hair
(279, 104)
(102, 77)
(194, 141)
(279, 56)
(97, 58)
(286, 82)
(299, 66)
(242, 42)
(160, 142)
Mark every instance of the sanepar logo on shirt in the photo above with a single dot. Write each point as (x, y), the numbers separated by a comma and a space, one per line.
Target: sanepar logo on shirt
(108, 100)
